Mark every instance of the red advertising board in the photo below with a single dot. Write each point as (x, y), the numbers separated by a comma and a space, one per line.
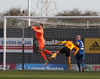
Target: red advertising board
(14, 45)
(9, 66)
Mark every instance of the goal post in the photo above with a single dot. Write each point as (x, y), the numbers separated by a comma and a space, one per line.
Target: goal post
(86, 18)
(4, 53)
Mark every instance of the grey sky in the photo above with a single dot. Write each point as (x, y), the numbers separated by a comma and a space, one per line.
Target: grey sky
(61, 4)
(81, 4)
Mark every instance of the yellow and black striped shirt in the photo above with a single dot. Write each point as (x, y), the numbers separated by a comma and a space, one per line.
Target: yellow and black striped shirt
(69, 45)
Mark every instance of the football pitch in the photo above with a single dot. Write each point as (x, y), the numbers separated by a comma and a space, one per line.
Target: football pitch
(48, 75)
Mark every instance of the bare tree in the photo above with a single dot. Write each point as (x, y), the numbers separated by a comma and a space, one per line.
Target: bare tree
(15, 22)
(77, 12)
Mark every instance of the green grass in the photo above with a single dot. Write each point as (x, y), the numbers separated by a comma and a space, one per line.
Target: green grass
(48, 75)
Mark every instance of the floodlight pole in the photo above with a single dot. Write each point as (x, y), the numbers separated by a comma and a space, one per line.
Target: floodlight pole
(29, 11)
(4, 47)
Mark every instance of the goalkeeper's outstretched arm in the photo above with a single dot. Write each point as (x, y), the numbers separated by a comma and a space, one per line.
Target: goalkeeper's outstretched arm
(36, 29)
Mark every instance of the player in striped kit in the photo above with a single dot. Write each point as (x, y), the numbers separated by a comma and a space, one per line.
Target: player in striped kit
(68, 47)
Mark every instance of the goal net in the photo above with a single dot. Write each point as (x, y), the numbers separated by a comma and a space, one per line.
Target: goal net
(19, 46)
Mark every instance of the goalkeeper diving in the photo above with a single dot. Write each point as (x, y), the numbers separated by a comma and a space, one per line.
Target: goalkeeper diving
(68, 47)
(41, 41)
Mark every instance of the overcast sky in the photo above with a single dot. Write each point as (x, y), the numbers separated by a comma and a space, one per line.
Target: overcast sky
(61, 4)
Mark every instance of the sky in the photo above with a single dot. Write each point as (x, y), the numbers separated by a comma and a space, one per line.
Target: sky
(61, 5)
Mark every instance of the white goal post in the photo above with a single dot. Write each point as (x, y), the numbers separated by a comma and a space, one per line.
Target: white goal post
(37, 17)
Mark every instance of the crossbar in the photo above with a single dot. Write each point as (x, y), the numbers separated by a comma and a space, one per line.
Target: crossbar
(54, 17)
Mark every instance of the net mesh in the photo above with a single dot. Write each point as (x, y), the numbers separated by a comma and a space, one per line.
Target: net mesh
(54, 30)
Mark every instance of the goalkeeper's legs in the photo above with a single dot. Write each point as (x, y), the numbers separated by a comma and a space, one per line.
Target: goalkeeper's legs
(44, 57)
(47, 51)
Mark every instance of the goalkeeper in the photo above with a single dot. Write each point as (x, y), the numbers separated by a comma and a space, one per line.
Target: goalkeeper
(69, 46)
(39, 35)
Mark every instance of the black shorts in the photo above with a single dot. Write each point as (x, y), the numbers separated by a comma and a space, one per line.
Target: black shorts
(66, 51)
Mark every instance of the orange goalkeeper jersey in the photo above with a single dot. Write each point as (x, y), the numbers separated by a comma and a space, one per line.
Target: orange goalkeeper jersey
(39, 36)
